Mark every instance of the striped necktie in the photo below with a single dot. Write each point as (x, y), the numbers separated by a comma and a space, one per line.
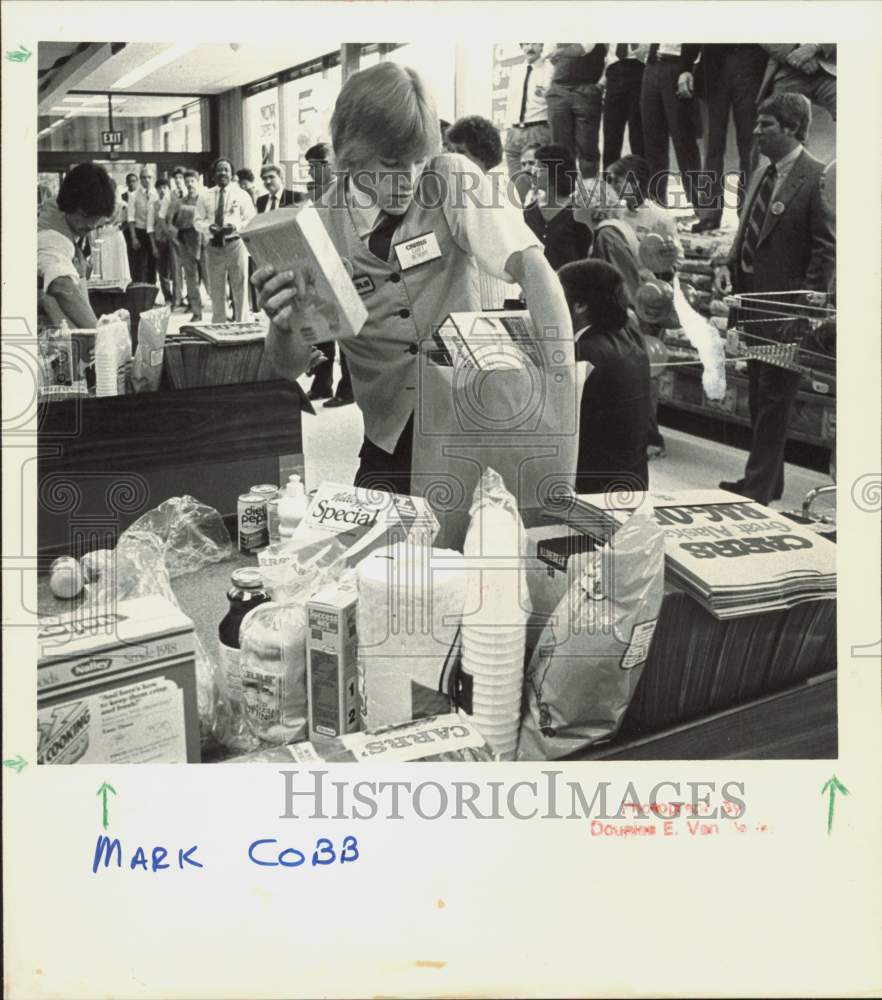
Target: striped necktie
(758, 211)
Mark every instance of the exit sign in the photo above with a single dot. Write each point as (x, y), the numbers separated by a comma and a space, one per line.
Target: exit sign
(112, 138)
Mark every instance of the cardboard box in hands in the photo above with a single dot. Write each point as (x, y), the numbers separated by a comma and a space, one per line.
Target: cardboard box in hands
(296, 236)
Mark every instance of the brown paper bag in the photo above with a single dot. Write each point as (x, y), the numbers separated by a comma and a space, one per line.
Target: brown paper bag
(491, 395)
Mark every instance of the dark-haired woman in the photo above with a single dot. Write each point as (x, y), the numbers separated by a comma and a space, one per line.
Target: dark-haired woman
(614, 414)
(550, 215)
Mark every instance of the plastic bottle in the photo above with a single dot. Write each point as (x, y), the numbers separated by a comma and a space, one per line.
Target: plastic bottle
(292, 506)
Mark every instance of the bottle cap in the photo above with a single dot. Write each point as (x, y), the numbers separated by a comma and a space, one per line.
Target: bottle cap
(295, 486)
(247, 577)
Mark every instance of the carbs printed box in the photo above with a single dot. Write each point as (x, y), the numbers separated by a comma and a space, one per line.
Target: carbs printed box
(117, 685)
(332, 662)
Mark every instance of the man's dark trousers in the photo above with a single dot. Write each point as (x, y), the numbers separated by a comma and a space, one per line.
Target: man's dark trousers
(145, 262)
(732, 80)
(621, 107)
(772, 393)
(574, 115)
(666, 116)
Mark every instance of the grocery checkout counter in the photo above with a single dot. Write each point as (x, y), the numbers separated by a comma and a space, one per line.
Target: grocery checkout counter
(220, 422)
(762, 685)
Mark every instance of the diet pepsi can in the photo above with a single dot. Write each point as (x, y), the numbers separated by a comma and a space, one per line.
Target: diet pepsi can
(251, 522)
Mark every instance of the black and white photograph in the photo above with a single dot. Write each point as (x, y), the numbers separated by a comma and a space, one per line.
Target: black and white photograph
(296, 313)
(439, 462)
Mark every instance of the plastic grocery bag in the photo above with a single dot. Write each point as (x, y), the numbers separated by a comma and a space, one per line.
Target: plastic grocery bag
(179, 536)
(147, 362)
(113, 354)
(586, 666)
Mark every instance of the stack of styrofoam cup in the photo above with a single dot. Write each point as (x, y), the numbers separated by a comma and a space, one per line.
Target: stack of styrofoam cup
(494, 626)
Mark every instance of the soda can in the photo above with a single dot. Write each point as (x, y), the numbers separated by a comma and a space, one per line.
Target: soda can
(251, 522)
(265, 490)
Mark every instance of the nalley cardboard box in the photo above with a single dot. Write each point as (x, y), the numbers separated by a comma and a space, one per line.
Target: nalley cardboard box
(117, 685)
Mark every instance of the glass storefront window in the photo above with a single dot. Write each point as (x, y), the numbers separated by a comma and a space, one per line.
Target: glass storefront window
(308, 103)
(153, 124)
(436, 64)
(260, 121)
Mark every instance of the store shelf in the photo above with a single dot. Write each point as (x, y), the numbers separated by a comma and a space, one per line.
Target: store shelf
(813, 420)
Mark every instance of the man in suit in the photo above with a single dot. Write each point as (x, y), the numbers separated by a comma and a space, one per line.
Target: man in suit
(806, 68)
(277, 196)
(786, 241)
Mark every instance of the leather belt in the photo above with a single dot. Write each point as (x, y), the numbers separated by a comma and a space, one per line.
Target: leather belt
(528, 124)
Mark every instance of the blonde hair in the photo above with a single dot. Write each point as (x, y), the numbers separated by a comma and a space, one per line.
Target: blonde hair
(384, 111)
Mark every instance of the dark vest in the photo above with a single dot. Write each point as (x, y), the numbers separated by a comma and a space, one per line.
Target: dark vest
(581, 69)
(403, 307)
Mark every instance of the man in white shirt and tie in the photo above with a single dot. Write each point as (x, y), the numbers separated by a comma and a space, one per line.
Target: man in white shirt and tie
(527, 112)
(222, 214)
(140, 221)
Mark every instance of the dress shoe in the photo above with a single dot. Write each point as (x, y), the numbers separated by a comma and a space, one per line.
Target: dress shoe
(732, 487)
(320, 392)
(196, 319)
(706, 225)
(340, 401)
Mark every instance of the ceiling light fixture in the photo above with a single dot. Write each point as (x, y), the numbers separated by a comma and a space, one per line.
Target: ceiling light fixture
(152, 65)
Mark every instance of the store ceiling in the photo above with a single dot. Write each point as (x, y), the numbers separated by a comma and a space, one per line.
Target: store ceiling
(204, 69)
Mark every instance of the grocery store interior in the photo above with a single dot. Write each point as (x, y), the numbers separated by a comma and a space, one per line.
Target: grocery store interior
(158, 107)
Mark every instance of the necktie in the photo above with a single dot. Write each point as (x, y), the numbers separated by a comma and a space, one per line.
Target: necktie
(219, 211)
(653, 52)
(273, 204)
(524, 95)
(757, 217)
(380, 239)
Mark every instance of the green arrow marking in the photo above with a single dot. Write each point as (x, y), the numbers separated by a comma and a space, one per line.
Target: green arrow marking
(102, 791)
(834, 785)
(21, 54)
(17, 765)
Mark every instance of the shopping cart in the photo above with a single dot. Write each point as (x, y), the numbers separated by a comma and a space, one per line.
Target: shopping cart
(804, 342)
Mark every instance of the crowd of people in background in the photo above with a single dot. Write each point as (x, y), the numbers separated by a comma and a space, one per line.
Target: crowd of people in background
(569, 108)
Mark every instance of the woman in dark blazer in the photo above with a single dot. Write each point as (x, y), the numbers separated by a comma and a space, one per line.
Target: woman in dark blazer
(550, 215)
(614, 415)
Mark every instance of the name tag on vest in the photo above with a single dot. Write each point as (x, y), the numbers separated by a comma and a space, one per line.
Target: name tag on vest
(363, 284)
(419, 250)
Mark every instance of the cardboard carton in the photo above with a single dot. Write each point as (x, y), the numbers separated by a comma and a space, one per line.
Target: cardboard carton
(117, 685)
(297, 235)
